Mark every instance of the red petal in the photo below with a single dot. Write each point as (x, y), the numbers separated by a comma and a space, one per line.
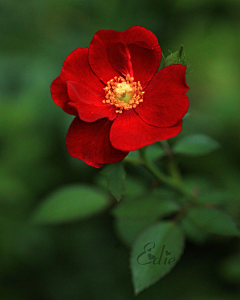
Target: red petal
(137, 61)
(129, 132)
(120, 59)
(85, 90)
(90, 143)
(89, 103)
(164, 102)
(112, 53)
(77, 68)
(60, 96)
(145, 63)
(145, 53)
(139, 33)
(98, 55)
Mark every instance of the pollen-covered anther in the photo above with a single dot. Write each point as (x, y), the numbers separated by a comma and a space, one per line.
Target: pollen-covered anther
(124, 93)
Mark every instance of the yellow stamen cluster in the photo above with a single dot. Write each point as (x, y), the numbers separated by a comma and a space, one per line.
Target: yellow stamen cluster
(124, 93)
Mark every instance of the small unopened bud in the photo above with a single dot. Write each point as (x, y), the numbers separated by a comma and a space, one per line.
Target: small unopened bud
(178, 57)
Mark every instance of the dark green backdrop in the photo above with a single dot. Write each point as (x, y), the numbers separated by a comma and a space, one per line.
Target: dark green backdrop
(81, 260)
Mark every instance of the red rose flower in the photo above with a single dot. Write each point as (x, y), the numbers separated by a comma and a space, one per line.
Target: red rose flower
(120, 101)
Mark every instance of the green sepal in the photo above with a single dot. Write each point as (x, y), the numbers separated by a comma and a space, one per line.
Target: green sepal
(178, 57)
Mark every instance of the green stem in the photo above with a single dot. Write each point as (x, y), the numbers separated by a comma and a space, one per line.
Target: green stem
(173, 169)
(169, 181)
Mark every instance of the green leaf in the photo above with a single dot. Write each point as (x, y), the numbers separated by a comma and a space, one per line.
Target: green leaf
(133, 154)
(154, 253)
(195, 145)
(129, 228)
(116, 176)
(216, 197)
(206, 191)
(188, 114)
(71, 203)
(213, 221)
(135, 186)
(145, 206)
(193, 232)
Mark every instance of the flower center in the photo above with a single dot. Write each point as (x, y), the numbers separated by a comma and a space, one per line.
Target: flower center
(124, 93)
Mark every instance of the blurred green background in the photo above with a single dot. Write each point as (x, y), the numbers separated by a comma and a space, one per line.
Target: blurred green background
(82, 260)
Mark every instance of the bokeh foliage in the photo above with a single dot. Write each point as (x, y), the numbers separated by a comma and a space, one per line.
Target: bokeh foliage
(83, 259)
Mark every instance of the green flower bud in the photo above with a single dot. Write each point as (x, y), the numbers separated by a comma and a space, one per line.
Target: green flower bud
(178, 57)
